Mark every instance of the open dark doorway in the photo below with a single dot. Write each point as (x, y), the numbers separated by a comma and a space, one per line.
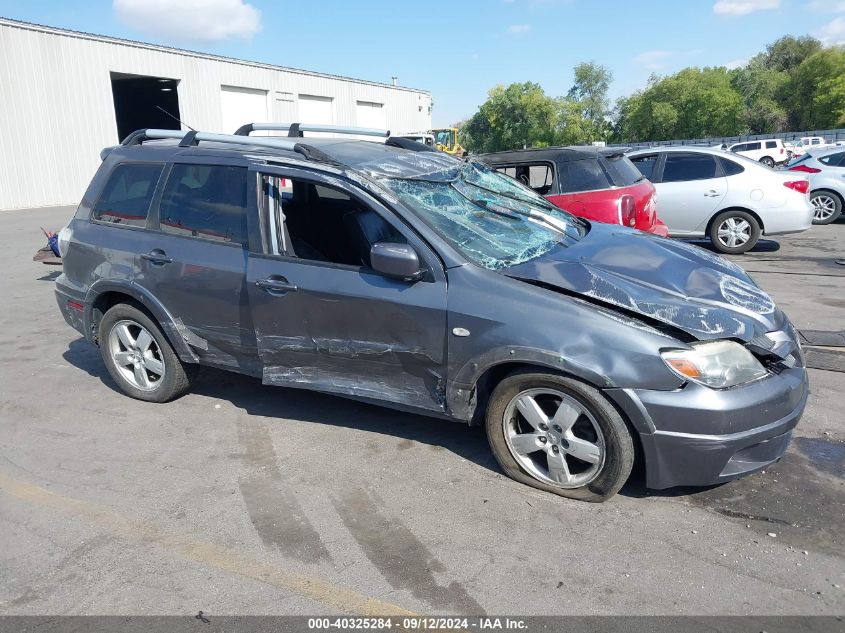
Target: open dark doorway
(136, 98)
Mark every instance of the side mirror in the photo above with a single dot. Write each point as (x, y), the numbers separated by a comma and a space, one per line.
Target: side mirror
(395, 260)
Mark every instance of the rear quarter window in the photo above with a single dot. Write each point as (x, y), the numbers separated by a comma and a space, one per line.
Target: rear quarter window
(582, 175)
(207, 202)
(833, 160)
(622, 171)
(730, 168)
(126, 198)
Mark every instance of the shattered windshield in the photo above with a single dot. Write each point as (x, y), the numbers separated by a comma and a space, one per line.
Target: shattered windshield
(493, 220)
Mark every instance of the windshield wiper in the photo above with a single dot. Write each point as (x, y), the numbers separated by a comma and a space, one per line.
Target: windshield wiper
(533, 216)
(533, 203)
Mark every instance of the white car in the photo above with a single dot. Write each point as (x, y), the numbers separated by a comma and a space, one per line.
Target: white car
(426, 138)
(770, 151)
(704, 192)
(825, 168)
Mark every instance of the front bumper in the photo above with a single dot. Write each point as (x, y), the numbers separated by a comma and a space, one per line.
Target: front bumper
(697, 436)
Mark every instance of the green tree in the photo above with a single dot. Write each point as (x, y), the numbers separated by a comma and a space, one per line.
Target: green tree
(586, 107)
(788, 52)
(761, 89)
(519, 115)
(768, 83)
(693, 103)
(816, 90)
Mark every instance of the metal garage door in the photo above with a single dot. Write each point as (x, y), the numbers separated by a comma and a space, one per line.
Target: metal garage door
(314, 109)
(370, 114)
(242, 105)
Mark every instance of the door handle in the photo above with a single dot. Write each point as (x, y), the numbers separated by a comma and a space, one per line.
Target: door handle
(157, 256)
(278, 285)
(712, 193)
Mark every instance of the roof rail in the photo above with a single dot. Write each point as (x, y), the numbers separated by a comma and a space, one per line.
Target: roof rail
(192, 138)
(296, 129)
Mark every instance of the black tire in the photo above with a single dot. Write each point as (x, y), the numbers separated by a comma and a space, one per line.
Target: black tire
(767, 161)
(618, 446)
(177, 376)
(738, 216)
(829, 197)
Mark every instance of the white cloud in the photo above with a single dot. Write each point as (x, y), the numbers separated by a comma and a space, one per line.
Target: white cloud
(736, 63)
(743, 7)
(190, 20)
(519, 29)
(653, 60)
(834, 33)
(827, 6)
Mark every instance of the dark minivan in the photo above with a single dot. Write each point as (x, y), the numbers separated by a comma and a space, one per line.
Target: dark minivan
(389, 273)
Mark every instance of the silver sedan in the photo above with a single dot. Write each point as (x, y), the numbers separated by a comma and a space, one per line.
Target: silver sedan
(706, 192)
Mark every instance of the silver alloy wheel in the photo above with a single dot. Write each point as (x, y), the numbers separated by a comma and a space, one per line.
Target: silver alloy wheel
(734, 232)
(825, 206)
(554, 437)
(136, 355)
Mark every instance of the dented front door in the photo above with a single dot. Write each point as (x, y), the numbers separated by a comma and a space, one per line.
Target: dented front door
(345, 329)
(349, 331)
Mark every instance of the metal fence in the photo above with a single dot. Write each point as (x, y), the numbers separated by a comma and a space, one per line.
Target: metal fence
(831, 136)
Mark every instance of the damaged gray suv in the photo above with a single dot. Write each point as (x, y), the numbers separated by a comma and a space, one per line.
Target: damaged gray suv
(387, 272)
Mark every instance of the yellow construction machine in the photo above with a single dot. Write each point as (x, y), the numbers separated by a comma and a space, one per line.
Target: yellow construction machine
(446, 140)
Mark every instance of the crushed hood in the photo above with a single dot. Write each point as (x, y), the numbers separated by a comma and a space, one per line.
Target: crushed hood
(684, 286)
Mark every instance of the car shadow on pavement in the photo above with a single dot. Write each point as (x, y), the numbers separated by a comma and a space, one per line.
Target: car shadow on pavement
(303, 405)
(51, 276)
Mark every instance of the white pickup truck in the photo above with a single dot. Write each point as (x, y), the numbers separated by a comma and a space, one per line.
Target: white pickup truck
(808, 142)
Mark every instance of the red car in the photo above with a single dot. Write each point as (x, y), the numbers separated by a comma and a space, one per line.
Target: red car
(596, 183)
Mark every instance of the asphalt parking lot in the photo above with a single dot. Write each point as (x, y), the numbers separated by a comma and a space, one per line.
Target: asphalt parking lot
(245, 499)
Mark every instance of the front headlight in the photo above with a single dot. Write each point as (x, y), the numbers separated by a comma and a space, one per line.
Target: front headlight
(716, 364)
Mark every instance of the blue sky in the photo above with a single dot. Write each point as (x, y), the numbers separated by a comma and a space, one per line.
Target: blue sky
(460, 49)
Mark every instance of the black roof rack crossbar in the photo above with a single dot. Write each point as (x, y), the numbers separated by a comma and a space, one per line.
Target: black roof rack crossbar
(296, 129)
(193, 138)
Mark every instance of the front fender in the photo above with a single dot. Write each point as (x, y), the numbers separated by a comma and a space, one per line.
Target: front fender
(460, 394)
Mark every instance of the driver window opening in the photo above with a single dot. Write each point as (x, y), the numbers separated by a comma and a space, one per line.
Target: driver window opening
(320, 223)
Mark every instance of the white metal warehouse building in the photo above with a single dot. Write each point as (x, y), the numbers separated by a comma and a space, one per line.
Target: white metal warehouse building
(65, 95)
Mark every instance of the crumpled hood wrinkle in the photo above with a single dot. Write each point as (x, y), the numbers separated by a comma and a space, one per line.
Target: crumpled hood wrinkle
(672, 282)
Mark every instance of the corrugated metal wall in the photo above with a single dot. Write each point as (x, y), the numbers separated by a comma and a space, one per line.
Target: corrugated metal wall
(57, 112)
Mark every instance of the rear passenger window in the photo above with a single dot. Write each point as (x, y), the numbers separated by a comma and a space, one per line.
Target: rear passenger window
(582, 175)
(127, 195)
(205, 201)
(771, 144)
(680, 167)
